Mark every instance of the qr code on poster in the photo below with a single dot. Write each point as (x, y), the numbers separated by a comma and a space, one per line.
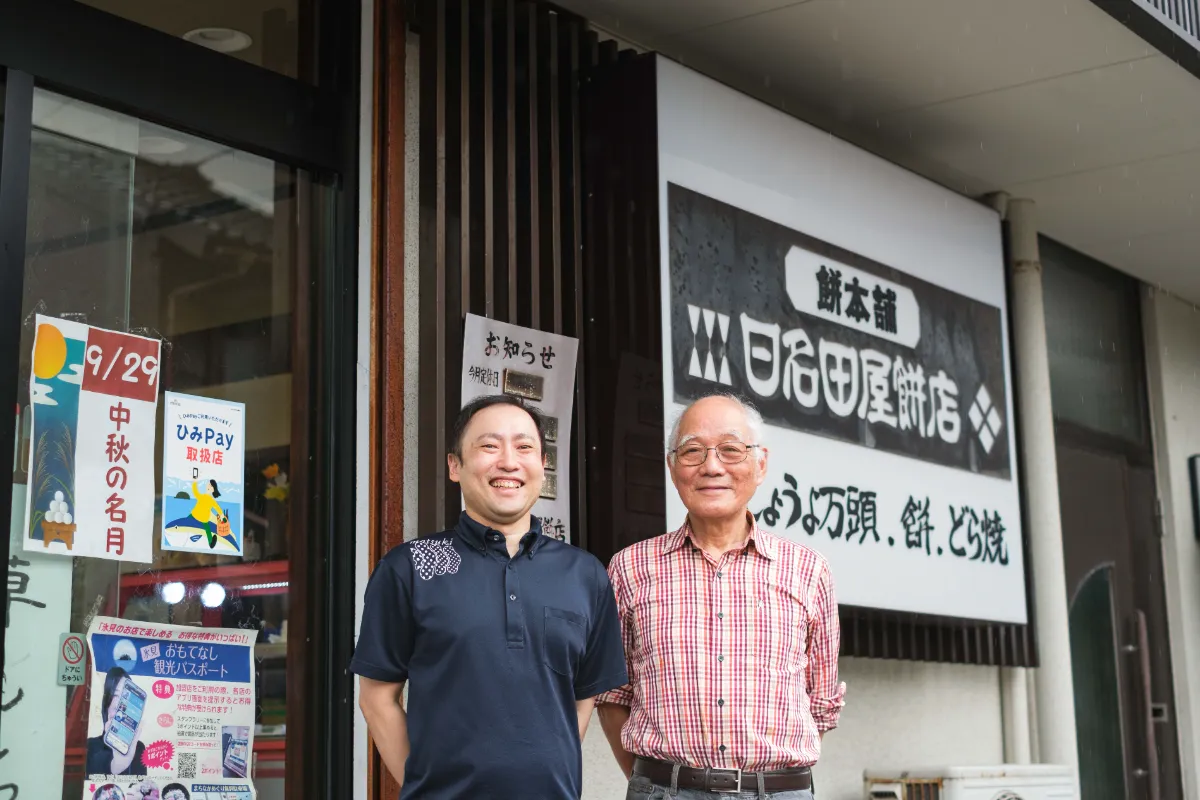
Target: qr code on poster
(187, 765)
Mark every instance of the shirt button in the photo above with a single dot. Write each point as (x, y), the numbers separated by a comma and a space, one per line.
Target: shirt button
(512, 597)
(720, 702)
(720, 615)
(720, 574)
(720, 658)
(721, 748)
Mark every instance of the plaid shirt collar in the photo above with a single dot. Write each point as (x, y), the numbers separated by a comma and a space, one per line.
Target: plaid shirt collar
(763, 542)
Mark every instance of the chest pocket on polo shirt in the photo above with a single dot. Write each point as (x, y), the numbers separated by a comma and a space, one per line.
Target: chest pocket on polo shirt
(563, 640)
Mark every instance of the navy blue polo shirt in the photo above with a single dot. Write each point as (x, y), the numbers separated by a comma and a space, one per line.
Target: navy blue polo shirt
(495, 651)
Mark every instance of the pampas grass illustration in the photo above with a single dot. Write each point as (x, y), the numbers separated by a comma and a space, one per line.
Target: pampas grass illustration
(44, 480)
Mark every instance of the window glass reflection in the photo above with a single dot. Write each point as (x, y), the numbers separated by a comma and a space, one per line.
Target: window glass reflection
(139, 229)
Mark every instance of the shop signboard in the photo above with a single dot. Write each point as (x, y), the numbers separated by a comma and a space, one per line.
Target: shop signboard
(538, 368)
(863, 311)
(94, 394)
(203, 475)
(37, 613)
(172, 710)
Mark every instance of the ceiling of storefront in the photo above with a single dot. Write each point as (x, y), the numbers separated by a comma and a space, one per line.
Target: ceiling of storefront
(271, 25)
(1048, 99)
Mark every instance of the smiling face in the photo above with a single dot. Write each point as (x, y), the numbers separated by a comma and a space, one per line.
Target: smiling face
(714, 490)
(501, 467)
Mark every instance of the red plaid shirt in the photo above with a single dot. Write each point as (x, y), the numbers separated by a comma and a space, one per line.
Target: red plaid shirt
(732, 662)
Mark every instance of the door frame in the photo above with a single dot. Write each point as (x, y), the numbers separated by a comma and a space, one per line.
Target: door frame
(79, 51)
(1134, 457)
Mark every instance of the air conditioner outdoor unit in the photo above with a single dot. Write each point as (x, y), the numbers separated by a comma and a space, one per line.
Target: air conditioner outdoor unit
(1004, 782)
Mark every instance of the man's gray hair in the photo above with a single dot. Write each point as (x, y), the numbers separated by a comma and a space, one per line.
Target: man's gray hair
(754, 419)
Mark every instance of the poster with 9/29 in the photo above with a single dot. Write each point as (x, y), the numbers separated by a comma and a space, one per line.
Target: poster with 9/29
(94, 395)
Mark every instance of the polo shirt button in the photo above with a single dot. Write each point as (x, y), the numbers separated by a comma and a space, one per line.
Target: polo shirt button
(512, 597)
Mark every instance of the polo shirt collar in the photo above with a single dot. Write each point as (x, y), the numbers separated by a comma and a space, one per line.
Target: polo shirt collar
(761, 540)
(475, 534)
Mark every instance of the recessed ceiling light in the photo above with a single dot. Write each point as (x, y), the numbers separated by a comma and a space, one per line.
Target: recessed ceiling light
(223, 40)
(160, 146)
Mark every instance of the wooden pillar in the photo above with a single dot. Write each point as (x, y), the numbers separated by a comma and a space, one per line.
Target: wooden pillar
(387, 312)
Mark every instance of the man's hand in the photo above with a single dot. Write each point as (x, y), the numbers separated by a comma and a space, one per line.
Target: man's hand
(382, 705)
(612, 719)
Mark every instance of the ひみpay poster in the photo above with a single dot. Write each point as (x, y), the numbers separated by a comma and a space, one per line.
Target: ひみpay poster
(203, 475)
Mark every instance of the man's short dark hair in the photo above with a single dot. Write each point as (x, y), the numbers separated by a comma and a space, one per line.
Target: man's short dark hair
(472, 408)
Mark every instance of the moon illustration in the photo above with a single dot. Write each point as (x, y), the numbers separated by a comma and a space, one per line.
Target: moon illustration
(49, 353)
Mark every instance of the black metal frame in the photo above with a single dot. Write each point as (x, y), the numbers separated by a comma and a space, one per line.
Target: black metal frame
(16, 116)
(77, 50)
(1139, 20)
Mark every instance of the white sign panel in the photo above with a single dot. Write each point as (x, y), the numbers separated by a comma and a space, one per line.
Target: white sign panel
(539, 368)
(91, 463)
(204, 476)
(39, 610)
(863, 311)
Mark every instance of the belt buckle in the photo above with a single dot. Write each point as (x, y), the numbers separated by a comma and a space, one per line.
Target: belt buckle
(737, 785)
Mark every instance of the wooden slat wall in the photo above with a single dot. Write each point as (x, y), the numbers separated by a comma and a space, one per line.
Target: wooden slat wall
(499, 201)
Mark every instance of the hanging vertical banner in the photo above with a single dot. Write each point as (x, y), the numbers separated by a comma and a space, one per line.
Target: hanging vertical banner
(539, 368)
(203, 474)
(91, 466)
(38, 612)
(172, 710)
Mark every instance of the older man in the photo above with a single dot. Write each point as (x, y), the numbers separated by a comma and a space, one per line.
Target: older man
(731, 633)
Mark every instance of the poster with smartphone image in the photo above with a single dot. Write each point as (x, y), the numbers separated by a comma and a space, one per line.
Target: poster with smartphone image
(204, 475)
(172, 712)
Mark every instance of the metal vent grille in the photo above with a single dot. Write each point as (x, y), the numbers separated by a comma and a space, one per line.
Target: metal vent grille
(923, 790)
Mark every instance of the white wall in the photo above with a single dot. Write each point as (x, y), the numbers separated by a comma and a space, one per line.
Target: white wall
(898, 714)
(1172, 329)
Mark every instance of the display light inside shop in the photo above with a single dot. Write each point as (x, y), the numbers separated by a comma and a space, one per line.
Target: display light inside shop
(212, 595)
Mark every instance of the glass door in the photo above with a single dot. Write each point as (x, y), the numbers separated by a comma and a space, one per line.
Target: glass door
(160, 402)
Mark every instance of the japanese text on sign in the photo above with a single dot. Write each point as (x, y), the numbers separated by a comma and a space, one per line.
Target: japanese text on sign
(513, 349)
(850, 514)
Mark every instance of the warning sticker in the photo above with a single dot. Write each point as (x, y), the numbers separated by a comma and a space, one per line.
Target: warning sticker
(71, 651)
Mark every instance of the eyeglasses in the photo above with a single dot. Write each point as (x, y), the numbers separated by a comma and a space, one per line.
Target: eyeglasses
(693, 455)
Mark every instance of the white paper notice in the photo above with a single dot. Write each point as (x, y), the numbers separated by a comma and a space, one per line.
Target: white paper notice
(538, 367)
(91, 465)
(172, 709)
(204, 478)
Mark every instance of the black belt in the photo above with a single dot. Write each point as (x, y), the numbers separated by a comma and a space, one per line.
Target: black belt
(723, 780)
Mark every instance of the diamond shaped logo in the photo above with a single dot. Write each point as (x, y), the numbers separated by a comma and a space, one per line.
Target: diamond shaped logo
(985, 419)
(710, 338)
